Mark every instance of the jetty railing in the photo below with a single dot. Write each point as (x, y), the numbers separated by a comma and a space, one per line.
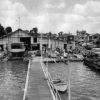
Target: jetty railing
(53, 90)
(26, 83)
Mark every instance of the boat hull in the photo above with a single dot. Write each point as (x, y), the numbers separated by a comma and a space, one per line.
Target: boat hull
(60, 86)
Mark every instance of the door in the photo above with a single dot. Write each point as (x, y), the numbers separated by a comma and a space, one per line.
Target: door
(27, 42)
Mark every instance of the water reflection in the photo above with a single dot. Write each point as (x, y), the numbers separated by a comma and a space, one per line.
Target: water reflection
(84, 81)
(12, 80)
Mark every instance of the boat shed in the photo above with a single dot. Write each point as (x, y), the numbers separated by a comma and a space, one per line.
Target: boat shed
(17, 36)
(31, 41)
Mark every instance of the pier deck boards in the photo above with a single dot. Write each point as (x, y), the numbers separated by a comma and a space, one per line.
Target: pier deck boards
(38, 88)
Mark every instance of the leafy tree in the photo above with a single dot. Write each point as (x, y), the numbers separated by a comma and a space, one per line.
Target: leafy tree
(2, 31)
(49, 35)
(35, 30)
(8, 29)
(60, 34)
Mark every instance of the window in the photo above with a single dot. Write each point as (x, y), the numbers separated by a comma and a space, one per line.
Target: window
(35, 40)
(17, 46)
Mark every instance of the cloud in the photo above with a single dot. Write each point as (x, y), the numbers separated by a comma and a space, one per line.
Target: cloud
(91, 8)
(55, 6)
(91, 13)
(48, 16)
(44, 21)
(10, 12)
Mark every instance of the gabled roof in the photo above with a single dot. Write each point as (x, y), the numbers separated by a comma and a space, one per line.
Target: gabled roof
(24, 31)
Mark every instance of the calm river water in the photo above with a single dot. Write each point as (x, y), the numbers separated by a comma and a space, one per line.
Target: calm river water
(85, 83)
(12, 79)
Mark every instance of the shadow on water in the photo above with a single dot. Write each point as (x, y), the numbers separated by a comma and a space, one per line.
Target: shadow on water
(97, 72)
(64, 96)
(12, 79)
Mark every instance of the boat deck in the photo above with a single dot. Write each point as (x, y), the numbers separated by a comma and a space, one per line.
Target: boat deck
(37, 88)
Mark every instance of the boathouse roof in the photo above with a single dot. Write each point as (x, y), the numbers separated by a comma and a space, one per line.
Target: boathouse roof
(18, 30)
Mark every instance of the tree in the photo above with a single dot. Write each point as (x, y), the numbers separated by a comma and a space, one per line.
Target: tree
(49, 35)
(2, 31)
(60, 34)
(8, 29)
(34, 31)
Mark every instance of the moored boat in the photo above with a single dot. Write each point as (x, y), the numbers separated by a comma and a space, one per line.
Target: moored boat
(76, 58)
(60, 86)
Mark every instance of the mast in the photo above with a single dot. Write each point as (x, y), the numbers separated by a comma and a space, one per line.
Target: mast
(19, 21)
(69, 94)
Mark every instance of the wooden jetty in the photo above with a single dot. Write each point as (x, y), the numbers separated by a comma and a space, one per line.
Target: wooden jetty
(54, 60)
(37, 86)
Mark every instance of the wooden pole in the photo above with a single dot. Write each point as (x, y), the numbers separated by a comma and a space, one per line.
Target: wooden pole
(69, 76)
(41, 47)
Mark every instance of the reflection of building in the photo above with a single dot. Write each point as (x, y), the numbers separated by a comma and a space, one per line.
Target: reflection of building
(31, 41)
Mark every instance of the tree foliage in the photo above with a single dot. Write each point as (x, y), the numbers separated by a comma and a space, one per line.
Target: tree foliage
(49, 35)
(35, 30)
(2, 31)
(60, 34)
(8, 29)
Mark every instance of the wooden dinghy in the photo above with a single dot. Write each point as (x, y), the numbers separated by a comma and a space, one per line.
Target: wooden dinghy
(60, 85)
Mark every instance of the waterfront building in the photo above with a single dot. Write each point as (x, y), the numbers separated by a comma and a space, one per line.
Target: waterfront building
(32, 41)
(17, 36)
(94, 37)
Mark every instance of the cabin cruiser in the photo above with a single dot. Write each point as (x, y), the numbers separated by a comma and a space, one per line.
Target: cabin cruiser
(17, 50)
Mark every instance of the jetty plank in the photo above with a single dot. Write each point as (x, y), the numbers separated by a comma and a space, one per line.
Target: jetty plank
(38, 88)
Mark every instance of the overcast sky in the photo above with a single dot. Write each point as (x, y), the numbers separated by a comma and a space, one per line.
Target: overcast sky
(51, 15)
